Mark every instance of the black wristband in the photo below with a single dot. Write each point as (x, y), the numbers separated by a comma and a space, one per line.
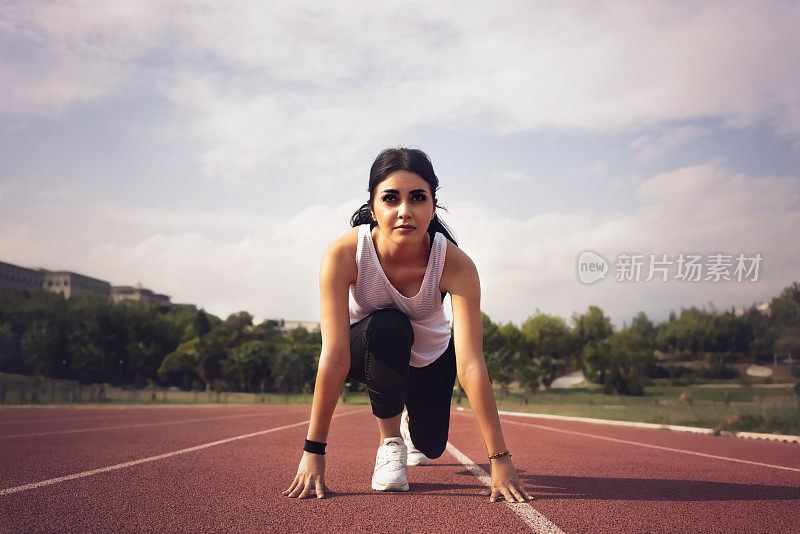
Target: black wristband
(314, 447)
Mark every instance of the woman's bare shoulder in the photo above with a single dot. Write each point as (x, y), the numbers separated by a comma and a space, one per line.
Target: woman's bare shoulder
(459, 269)
(340, 256)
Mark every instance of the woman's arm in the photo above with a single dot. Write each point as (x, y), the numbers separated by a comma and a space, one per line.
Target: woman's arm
(336, 274)
(463, 285)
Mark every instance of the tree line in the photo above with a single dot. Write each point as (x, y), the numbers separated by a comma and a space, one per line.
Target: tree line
(89, 339)
(544, 346)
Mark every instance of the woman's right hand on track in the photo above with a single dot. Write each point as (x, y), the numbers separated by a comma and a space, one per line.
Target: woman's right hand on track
(310, 477)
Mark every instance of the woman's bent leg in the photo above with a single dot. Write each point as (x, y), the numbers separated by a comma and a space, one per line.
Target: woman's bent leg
(380, 349)
(430, 389)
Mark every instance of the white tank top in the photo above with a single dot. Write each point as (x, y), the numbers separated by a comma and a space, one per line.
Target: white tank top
(373, 291)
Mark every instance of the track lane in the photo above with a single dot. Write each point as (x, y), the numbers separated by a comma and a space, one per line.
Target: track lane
(13, 420)
(779, 453)
(582, 484)
(35, 458)
(592, 485)
(237, 487)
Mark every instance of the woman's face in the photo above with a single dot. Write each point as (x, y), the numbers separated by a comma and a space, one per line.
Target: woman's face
(403, 206)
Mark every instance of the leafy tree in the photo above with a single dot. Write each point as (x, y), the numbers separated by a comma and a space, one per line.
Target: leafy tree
(201, 324)
(150, 334)
(512, 338)
(621, 380)
(596, 356)
(293, 369)
(634, 386)
(500, 365)
(248, 365)
(500, 358)
(628, 353)
(728, 333)
(210, 352)
(785, 308)
(40, 343)
(716, 367)
(9, 344)
(180, 365)
(591, 327)
(268, 332)
(547, 335)
(548, 369)
(528, 374)
(788, 342)
(501, 362)
(492, 339)
(642, 325)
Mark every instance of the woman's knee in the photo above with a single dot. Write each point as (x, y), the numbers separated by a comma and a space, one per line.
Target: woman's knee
(432, 445)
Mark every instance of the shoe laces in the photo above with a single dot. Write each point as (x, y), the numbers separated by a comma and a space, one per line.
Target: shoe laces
(391, 453)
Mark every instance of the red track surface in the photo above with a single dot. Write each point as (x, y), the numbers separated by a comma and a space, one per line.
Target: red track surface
(582, 482)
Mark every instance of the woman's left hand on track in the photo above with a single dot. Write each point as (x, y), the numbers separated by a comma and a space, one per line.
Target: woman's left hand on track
(506, 483)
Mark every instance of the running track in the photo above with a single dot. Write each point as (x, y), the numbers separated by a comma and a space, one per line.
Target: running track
(189, 469)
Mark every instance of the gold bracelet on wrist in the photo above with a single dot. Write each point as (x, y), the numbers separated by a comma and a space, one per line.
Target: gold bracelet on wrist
(499, 455)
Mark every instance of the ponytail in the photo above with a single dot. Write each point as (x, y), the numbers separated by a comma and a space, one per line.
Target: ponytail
(363, 216)
(437, 225)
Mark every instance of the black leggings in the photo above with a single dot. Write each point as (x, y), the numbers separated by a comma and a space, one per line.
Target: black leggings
(380, 349)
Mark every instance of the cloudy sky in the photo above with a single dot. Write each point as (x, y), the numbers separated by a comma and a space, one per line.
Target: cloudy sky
(211, 150)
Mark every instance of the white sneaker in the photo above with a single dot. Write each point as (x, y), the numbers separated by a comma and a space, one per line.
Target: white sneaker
(415, 457)
(390, 466)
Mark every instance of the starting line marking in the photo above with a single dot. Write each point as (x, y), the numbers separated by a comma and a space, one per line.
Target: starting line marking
(82, 474)
(660, 447)
(532, 517)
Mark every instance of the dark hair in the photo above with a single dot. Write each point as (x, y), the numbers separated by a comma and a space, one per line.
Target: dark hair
(402, 159)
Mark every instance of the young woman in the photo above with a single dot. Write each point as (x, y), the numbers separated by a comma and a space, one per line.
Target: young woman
(381, 291)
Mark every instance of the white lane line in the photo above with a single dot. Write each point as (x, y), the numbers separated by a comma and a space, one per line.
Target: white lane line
(121, 413)
(82, 474)
(656, 426)
(136, 425)
(649, 445)
(532, 517)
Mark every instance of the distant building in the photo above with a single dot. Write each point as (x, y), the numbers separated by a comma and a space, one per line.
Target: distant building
(71, 284)
(20, 278)
(139, 294)
(287, 326)
(762, 308)
(65, 282)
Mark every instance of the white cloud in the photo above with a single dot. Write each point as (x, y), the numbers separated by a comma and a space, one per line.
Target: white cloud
(21, 246)
(290, 83)
(586, 173)
(649, 147)
(270, 271)
(510, 176)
